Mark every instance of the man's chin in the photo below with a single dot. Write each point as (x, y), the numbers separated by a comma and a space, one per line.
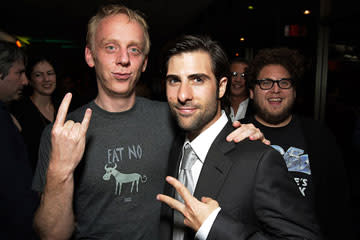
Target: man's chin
(186, 124)
(276, 119)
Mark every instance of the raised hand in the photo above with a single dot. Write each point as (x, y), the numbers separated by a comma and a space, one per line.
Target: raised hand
(246, 130)
(68, 138)
(194, 211)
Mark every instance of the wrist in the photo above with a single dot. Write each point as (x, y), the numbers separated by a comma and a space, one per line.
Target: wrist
(59, 172)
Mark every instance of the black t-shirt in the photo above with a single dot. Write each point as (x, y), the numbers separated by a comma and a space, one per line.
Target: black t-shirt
(290, 142)
(17, 201)
(33, 123)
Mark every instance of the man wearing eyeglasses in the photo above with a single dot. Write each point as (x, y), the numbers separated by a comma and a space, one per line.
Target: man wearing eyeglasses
(239, 94)
(308, 147)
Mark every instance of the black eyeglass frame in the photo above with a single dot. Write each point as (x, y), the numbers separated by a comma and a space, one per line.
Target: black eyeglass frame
(289, 80)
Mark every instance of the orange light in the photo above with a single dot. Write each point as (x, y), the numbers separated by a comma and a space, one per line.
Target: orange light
(237, 54)
(18, 43)
(242, 39)
(307, 12)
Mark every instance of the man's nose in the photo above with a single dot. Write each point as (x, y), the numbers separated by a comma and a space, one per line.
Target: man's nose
(185, 92)
(123, 57)
(276, 87)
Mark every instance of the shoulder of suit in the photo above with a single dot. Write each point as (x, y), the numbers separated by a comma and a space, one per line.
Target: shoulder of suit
(246, 145)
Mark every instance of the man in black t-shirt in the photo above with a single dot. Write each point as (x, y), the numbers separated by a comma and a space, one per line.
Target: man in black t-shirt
(309, 149)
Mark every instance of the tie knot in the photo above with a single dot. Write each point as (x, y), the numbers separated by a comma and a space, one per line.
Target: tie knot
(189, 157)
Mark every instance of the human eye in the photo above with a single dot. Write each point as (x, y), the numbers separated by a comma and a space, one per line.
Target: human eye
(266, 83)
(198, 79)
(172, 80)
(134, 51)
(36, 74)
(285, 83)
(110, 48)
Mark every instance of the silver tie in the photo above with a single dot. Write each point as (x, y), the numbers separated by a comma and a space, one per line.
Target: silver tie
(185, 177)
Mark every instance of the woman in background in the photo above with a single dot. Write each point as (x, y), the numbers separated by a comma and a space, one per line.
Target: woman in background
(36, 110)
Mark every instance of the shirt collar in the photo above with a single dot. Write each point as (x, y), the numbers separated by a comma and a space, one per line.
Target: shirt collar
(202, 143)
(240, 114)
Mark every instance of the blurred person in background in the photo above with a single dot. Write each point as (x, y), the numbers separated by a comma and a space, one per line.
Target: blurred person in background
(38, 109)
(239, 94)
(17, 201)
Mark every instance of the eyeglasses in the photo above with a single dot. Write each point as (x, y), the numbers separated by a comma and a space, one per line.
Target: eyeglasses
(235, 74)
(266, 84)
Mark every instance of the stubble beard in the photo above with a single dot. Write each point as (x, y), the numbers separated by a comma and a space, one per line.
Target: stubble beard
(270, 117)
(199, 120)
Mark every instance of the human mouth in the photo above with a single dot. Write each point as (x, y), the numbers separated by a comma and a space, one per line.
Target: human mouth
(47, 85)
(121, 76)
(237, 85)
(185, 111)
(275, 101)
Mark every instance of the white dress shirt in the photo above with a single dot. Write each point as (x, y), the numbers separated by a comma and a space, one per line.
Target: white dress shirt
(240, 114)
(201, 145)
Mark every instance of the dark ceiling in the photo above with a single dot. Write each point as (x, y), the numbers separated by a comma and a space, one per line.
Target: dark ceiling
(67, 19)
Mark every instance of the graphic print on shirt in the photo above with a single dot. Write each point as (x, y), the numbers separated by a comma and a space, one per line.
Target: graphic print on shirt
(116, 155)
(296, 161)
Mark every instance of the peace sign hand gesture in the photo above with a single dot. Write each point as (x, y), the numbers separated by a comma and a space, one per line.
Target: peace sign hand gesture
(195, 212)
(68, 138)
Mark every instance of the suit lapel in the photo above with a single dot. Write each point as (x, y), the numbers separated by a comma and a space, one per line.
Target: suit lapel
(174, 162)
(216, 166)
(166, 224)
(175, 156)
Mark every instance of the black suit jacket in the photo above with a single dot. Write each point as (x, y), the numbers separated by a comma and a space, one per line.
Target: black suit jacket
(257, 196)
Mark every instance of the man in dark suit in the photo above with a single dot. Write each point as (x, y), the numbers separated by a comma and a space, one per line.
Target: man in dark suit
(255, 196)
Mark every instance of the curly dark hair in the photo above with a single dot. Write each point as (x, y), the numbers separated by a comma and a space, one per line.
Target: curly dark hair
(290, 59)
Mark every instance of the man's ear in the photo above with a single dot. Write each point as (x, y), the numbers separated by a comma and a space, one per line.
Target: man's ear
(222, 86)
(145, 64)
(251, 91)
(89, 57)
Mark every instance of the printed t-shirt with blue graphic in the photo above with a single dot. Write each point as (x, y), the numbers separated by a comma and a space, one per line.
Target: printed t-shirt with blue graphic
(289, 141)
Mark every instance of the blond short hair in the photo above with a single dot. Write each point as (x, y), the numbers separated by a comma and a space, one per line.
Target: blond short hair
(111, 10)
